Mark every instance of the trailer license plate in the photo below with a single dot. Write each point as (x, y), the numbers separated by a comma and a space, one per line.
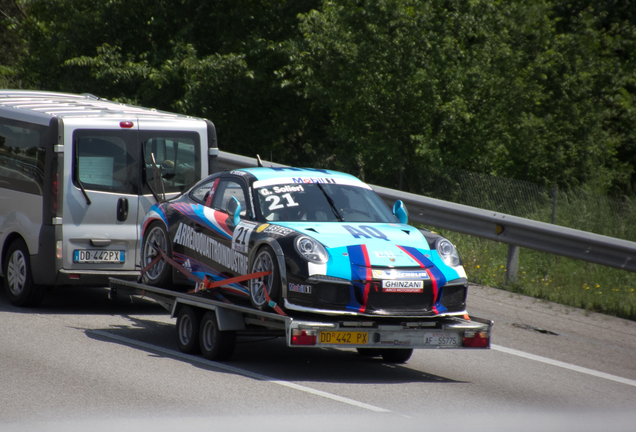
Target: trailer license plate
(344, 337)
(441, 339)
(99, 256)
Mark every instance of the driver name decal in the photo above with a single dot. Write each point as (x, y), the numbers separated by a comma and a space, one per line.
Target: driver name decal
(210, 248)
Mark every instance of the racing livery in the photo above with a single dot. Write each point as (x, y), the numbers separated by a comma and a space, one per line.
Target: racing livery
(331, 244)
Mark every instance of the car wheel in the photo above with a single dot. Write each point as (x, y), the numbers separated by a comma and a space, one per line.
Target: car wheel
(159, 274)
(215, 344)
(265, 260)
(398, 355)
(18, 279)
(188, 323)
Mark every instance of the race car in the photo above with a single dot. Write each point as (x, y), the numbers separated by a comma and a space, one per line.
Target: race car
(330, 243)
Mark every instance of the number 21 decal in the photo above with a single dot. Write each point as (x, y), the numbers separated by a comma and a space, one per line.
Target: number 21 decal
(241, 237)
(276, 201)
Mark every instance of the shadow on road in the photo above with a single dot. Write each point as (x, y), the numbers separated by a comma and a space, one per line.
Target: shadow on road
(272, 358)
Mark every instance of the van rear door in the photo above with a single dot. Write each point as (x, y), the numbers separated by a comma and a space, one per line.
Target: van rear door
(102, 184)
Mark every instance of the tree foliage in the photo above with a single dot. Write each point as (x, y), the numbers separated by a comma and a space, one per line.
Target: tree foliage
(536, 90)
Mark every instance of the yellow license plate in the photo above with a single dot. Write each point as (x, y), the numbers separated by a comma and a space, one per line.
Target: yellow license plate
(344, 337)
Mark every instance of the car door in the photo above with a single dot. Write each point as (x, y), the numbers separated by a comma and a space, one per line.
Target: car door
(101, 188)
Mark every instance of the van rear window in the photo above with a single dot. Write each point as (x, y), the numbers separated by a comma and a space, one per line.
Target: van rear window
(106, 162)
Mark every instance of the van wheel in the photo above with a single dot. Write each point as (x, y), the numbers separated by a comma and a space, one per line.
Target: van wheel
(160, 274)
(188, 322)
(265, 260)
(215, 344)
(18, 280)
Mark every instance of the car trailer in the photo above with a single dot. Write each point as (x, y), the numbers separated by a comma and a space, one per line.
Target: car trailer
(209, 323)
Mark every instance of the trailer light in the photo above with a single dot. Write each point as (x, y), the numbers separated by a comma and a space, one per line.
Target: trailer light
(303, 337)
(74, 276)
(126, 124)
(476, 340)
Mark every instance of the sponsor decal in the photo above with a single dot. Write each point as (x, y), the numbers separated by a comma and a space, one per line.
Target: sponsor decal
(313, 180)
(302, 289)
(281, 189)
(399, 274)
(210, 248)
(278, 230)
(238, 173)
(401, 286)
(261, 228)
(366, 232)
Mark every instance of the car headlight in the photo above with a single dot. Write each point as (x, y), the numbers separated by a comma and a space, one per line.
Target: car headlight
(311, 250)
(447, 252)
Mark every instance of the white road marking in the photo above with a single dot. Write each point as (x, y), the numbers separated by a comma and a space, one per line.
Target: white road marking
(240, 371)
(564, 365)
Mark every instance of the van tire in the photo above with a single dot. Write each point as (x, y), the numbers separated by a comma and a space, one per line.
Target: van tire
(18, 279)
(159, 275)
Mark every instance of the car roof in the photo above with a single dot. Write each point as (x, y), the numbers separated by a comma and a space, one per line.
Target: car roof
(280, 175)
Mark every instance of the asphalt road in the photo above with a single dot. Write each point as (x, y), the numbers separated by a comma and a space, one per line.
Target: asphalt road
(84, 362)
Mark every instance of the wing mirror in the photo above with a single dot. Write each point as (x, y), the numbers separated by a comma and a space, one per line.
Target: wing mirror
(234, 209)
(401, 212)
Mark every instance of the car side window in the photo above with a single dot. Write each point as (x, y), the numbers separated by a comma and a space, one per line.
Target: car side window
(204, 192)
(228, 188)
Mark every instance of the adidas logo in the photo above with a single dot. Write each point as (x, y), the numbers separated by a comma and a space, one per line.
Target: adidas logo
(187, 265)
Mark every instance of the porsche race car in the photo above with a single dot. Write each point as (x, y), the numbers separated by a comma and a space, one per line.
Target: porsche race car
(332, 245)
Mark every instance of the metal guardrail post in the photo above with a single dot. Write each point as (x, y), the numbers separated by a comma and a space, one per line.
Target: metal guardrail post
(512, 264)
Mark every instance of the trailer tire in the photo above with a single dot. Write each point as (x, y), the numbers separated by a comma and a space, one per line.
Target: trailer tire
(160, 274)
(215, 344)
(188, 324)
(399, 355)
(264, 260)
(18, 279)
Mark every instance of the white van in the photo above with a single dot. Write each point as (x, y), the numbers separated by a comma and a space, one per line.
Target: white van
(76, 179)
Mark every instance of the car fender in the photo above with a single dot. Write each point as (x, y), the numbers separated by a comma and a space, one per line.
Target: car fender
(280, 258)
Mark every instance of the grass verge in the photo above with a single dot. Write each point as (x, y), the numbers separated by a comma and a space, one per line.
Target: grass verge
(558, 279)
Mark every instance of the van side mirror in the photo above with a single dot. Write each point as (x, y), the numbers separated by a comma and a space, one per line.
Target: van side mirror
(234, 209)
(401, 212)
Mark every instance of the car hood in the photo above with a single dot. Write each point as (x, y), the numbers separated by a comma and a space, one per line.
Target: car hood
(386, 244)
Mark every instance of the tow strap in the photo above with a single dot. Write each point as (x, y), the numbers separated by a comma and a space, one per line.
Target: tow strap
(206, 284)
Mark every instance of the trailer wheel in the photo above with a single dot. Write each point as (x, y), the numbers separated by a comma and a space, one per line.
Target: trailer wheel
(18, 279)
(215, 344)
(265, 260)
(188, 322)
(160, 274)
(399, 355)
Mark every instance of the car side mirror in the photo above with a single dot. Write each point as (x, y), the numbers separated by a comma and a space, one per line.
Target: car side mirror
(401, 212)
(234, 209)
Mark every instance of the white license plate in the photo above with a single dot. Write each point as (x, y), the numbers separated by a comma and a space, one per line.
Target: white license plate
(99, 256)
(402, 286)
(442, 339)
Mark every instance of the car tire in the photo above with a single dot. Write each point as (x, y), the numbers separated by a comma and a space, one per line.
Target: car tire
(188, 324)
(159, 275)
(18, 279)
(264, 260)
(215, 344)
(398, 355)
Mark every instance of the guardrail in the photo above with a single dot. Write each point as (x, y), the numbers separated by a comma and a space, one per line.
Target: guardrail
(514, 231)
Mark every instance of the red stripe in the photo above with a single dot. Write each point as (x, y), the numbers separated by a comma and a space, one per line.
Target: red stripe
(367, 263)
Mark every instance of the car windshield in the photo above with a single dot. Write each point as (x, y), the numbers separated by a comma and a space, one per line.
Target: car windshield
(321, 202)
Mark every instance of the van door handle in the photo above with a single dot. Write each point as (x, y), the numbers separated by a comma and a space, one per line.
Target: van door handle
(122, 209)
